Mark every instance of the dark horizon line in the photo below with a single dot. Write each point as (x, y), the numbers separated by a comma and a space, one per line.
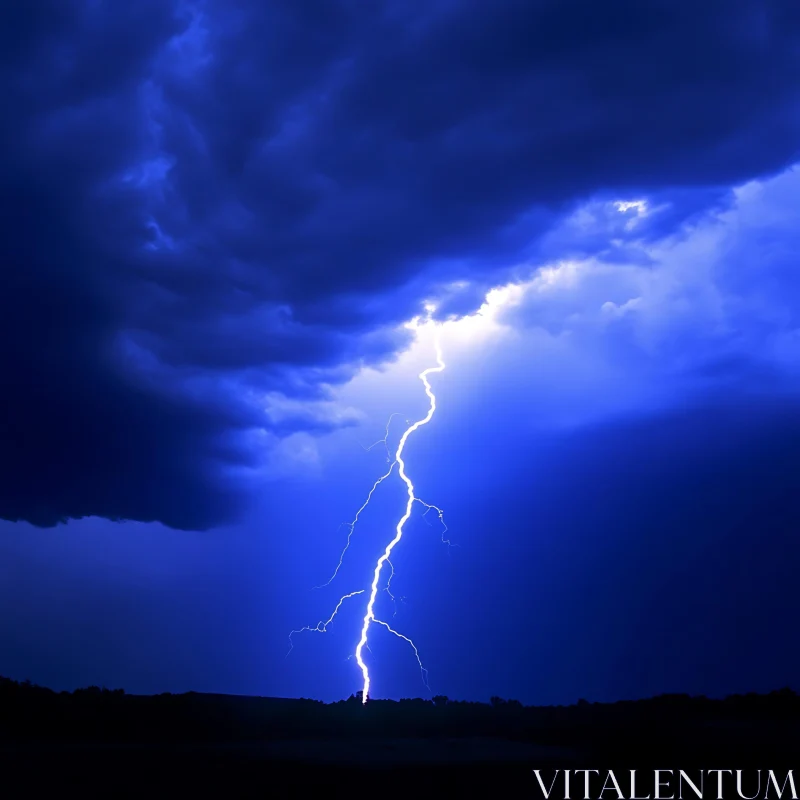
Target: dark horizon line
(495, 700)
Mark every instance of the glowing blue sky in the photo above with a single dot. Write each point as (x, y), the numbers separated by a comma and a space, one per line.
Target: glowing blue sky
(220, 219)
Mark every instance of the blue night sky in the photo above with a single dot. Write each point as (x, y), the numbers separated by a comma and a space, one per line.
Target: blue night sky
(219, 219)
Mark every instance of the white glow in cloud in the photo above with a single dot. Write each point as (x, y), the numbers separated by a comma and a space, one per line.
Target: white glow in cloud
(580, 338)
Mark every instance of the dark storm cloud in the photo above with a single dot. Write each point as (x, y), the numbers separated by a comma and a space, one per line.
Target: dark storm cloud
(203, 199)
(76, 439)
(366, 144)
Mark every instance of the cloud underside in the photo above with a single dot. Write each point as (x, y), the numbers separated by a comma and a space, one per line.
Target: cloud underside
(209, 204)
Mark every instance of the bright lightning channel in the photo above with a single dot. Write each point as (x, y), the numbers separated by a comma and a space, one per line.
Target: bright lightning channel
(369, 617)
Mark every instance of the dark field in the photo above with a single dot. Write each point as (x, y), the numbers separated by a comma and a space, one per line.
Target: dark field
(97, 743)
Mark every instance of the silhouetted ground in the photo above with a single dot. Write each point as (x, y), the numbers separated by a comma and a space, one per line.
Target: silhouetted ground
(102, 743)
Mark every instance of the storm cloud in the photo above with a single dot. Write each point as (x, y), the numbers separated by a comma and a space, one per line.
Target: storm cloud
(207, 204)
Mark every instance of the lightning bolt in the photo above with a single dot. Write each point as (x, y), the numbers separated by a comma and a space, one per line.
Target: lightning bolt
(369, 616)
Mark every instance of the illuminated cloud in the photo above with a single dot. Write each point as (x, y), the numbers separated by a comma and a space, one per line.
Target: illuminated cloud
(713, 311)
